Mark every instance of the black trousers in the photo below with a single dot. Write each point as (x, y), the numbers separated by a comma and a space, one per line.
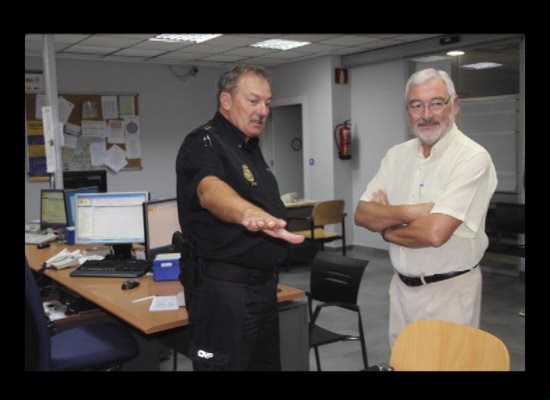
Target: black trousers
(234, 326)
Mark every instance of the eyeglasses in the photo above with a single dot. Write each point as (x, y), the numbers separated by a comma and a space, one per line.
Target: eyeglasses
(436, 105)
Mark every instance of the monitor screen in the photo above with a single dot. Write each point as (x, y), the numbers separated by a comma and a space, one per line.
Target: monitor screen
(70, 201)
(109, 218)
(83, 179)
(161, 221)
(53, 213)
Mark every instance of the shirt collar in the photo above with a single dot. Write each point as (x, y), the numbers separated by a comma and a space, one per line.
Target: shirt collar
(235, 134)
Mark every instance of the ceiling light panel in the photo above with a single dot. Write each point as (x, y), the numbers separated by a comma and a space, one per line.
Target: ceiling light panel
(481, 65)
(190, 37)
(279, 44)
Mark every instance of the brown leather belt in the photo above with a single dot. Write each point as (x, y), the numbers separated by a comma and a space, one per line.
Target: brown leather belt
(417, 281)
(236, 273)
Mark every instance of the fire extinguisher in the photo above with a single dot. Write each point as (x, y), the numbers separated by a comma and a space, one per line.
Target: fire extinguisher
(342, 137)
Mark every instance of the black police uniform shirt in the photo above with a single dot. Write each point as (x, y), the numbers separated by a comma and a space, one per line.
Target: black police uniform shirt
(219, 149)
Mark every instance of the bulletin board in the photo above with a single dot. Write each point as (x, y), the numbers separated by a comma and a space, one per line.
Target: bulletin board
(123, 114)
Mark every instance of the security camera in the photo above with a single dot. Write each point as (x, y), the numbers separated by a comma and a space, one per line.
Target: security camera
(449, 40)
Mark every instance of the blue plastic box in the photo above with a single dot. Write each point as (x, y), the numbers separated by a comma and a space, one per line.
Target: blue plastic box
(166, 267)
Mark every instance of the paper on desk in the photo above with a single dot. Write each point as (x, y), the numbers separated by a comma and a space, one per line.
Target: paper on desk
(64, 259)
(164, 303)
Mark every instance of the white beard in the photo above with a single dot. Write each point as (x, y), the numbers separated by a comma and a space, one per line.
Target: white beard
(432, 138)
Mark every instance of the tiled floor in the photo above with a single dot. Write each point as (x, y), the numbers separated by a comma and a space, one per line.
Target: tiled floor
(503, 298)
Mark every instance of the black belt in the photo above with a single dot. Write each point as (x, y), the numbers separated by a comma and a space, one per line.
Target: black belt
(417, 281)
(236, 273)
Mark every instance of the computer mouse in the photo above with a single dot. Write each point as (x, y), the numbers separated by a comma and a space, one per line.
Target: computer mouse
(129, 284)
(42, 245)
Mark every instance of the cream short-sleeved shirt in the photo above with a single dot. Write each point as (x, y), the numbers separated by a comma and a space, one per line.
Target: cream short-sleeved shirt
(459, 178)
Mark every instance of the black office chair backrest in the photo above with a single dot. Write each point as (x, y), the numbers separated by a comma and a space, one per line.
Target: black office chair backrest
(510, 217)
(39, 336)
(336, 278)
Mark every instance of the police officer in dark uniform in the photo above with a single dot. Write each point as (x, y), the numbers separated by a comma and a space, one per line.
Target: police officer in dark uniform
(229, 206)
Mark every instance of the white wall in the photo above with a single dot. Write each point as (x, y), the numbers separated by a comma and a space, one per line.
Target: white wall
(169, 109)
(288, 167)
(312, 80)
(379, 122)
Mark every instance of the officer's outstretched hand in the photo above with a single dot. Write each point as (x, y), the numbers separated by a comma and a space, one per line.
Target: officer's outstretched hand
(268, 224)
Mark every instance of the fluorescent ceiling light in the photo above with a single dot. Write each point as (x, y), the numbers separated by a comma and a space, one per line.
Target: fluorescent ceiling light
(481, 65)
(455, 53)
(186, 37)
(279, 44)
(429, 59)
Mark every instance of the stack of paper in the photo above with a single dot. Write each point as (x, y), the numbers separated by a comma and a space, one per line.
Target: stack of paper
(164, 303)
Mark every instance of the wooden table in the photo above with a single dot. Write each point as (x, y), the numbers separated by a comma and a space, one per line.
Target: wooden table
(107, 294)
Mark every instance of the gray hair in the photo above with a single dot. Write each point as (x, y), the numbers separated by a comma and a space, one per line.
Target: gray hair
(229, 79)
(430, 73)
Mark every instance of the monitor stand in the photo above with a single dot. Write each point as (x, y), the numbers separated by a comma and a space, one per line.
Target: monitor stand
(122, 251)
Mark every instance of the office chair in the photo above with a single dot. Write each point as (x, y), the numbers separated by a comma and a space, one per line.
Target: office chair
(328, 212)
(433, 345)
(509, 219)
(101, 346)
(335, 282)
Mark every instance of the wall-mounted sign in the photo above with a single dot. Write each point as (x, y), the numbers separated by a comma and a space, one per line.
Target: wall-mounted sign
(341, 76)
(34, 82)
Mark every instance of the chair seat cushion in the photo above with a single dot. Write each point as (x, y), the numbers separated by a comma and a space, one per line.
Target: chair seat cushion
(92, 345)
(322, 336)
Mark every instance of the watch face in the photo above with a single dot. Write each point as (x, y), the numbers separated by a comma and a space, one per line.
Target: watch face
(296, 144)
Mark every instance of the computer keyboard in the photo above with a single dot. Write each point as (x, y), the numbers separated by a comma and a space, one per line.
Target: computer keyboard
(37, 238)
(113, 268)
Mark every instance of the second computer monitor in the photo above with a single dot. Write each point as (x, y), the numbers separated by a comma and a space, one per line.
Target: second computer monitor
(161, 221)
(70, 201)
(87, 178)
(53, 213)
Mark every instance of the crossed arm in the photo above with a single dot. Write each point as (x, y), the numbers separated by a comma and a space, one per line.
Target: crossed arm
(223, 202)
(409, 225)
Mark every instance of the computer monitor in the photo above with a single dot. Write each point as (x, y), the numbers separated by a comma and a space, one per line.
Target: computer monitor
(161, 221)
(113, 218)
(83, 179)
(70, 201)
(53, 213)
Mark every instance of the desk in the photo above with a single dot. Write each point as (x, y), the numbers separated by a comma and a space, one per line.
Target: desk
(106, 293)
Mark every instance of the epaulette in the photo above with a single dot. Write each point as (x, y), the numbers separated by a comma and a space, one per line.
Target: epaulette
(208, 128)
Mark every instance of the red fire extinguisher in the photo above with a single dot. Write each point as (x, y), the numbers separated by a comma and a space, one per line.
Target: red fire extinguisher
(342, 137)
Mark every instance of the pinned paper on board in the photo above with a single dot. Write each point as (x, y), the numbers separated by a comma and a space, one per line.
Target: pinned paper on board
(89, 110)
(132, 126)
(126, 106)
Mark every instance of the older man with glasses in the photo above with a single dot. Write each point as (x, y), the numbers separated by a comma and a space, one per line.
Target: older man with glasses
(429, 200)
